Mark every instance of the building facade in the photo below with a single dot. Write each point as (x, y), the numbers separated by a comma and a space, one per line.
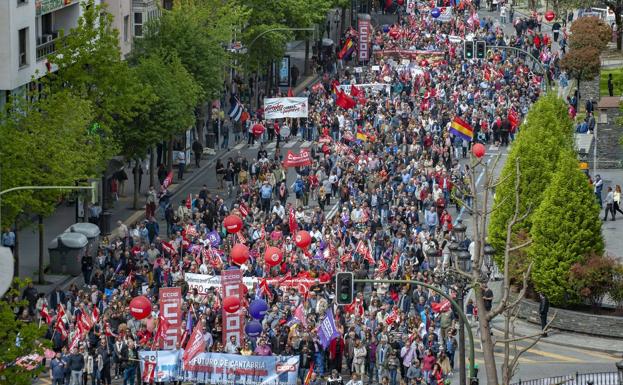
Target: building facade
(29, 31)
(121, 10)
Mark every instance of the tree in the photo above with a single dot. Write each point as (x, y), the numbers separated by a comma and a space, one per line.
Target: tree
(545, 132)
(18, 339)
(198, 32)
(595, 278)
(616, 6)
(590, 32)
(174, 95)
(566, 230)
(90, 66)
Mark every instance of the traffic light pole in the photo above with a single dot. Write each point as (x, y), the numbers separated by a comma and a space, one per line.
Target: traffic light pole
(455, 305)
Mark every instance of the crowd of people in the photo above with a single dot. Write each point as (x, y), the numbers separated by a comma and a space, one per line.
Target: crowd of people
(395, 172)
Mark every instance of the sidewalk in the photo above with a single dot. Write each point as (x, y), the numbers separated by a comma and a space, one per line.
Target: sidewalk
(556, 337)
(64, 216)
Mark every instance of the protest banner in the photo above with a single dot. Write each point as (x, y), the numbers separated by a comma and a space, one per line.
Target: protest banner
(203, 282)
(276, 108)
(233, 323)
(171, 309)
(161, 365)
(300, 160)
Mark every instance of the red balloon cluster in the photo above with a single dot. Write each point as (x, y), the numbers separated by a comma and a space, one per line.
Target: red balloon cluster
(273, 256)
(550, 15)
(258, 129)
(239, 254)
(232, 224)
(478, 150)
(140, 307)
(303, 239)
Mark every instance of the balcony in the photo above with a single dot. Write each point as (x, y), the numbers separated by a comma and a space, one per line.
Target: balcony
(48, 47)
(46, 6)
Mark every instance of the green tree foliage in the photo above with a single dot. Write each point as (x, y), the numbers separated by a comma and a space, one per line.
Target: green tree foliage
(50, 145)
(30, 338)
(546, 131)
(198, 32)
(566, 230)
(89, 64)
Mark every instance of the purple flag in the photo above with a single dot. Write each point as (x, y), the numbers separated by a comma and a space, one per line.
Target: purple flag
(214, 238)
(327, 330)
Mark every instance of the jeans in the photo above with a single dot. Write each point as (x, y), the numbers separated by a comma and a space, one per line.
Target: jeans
(180, 170)
(393, 373)
(76, 377)
(129, 375)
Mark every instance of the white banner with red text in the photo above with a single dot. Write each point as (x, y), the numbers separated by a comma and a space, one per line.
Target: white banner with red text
(277, 108)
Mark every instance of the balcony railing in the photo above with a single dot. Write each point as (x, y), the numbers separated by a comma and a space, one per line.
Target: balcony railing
(45, 49)
(46, 6)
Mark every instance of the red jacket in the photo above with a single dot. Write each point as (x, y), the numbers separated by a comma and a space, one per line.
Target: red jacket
(336, 345)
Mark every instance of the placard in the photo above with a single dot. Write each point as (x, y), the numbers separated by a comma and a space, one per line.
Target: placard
(276, 108)
(170, 300)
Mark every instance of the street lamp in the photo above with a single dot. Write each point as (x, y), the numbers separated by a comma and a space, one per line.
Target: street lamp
(464, 260)
(489, 251)
(433, 257)
(459, 231)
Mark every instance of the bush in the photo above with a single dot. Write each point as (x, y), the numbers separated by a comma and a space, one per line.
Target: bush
(546, 131)
(590, 32)
(594, 279)
(582, 63)
(566, 231)
(616, 291)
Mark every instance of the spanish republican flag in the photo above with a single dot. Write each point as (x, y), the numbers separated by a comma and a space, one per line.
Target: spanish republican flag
(347, 49)
(309, 374)
(461, 128)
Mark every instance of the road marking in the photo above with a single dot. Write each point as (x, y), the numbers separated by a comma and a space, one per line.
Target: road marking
(289, 145)
(239, 146)
(271, 145)
(254, 145)
(306, 144)
(553, 355)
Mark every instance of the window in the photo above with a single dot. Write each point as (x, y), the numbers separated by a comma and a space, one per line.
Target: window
(138, 24)
(23, 47)
(21, 2)
(126, 27)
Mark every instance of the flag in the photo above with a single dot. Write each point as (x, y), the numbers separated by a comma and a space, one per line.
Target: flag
(513, 118)
(244, 210)
(299, 315)
(45, 315)
(391, 317)
(292, 221)
(163, 327)
(241, 237)
(361, 136)
(347, 49)
(394, 267)
(309, 374)
(290, 92)
(75, 341)
(265, 290)
(196, 345)
(95, 315)
(189, 201)
(61, 329)
(327, 330)
(462, 129)
(168, 180)
(235, 112)
(344, 101)
(441, 307)
(382, 266)
(108, 331)
(191, 231)
(354, 91)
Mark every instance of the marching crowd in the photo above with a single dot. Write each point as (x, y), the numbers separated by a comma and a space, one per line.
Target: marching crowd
(389, 160)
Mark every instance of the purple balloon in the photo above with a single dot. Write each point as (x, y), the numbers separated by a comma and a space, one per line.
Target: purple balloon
(435, 12)
(253, 328)
(258, 308)
(385, 28)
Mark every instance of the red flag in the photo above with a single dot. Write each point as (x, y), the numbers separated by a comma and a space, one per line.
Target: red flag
(244, 210)
(290, 93)
(168, 180)
(513, 118)
(346, 257)
(163, 326)
(60, 324)
(355, 308)
(292, 221)
(441, 307)
(45, 315)
(394, 267)
(191, 230)
(299, 315)
(95, 315)
(382, 266)
(168, 248)
(265, 290)
(108, 331)
(148, 372)
(344, 101)
(196, 345)
(189, 202)
(75, 341)
(391, 317)
(241, 237)
(354, 91)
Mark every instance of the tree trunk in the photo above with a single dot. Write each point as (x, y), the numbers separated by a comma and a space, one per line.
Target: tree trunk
(269, 79)
(152, 167)
(40, 226)
(306, 71)
(137, 176)
(342, 24)
(170, 154)
(16, 251)
(487, 342)
(507, 371)
(619, 23)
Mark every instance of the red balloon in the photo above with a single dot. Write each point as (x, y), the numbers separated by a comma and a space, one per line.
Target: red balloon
(478, 150)
(258, 129)
(388, 3)
(550, 15)
(231, 304)
(302, 239)
(272, 256)
(239, 254)
(140, 307)
(232, 224)
(401, 2)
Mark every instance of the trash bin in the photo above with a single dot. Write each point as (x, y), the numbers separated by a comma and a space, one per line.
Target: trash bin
(105, 222)
(66, 252)
(89, 230)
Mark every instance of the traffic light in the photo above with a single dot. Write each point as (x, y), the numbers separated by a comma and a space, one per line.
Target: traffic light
(473, 381)
(344, 288)
(468, 49)
(481, 49)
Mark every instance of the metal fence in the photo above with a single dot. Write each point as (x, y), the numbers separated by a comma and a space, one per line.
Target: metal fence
(604, 378)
